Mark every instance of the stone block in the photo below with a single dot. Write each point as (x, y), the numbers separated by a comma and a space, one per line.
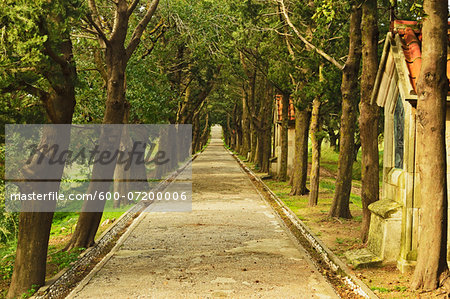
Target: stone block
(384, 208)
(385, 230)
(362, 258)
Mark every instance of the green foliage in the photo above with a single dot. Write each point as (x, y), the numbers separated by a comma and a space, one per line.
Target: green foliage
(8, 221)
(63, 259)
(30, 292)
(7, 251)
(380, 289)
(31, 32)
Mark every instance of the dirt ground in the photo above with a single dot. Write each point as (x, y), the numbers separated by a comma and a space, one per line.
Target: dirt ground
(230, 245)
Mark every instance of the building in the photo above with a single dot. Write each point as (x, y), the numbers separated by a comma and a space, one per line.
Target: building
(395, 221)
(276, 143)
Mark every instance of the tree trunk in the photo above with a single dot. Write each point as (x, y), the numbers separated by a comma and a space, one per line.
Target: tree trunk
(340, 206)
(88, 222)
(133, 177)
(282, 175)
(248, 106)
(35, 222)
(196, 132)
(163, 144)
(31, 254)
(300, 170)
(238, 125)
(432, 84)
(101, 178)
(122, 176)
(333, 140)
(204, 137)
(368, 118)
(253, 141)
(245, 147)
(229, 133)
(266, 150)
(34, 228)
(316, 140)
(266, 113)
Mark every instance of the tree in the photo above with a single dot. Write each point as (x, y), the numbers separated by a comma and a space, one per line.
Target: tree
(340, 206)
(300, 169)
(320, 26)
(432, 85)
(368, 118)
(316, 141)
(39, 63)
(117, 54)
(282, 174)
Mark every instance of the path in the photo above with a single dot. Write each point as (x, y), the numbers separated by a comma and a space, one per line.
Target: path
(230, 245)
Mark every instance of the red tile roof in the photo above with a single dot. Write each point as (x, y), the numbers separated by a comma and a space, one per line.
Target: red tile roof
(291, 111)
(411, 37)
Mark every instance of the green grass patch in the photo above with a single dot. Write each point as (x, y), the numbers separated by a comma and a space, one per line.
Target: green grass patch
(62, 259)
(8, 254)
(329, 161)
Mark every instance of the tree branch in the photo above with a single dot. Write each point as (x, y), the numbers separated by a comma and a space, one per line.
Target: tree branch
(99, 62)
(132, 7)
(304, 40)
(98, 30)
(94, 13)
(94, 19)
(246, 54)
(49, 51)
(24, 86)
(155, 39)
(139, 30)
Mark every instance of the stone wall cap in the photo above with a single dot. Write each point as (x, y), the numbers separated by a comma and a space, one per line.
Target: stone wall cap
(384, 208)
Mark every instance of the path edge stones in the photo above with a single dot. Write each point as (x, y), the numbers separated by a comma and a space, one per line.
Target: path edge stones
(293, 223)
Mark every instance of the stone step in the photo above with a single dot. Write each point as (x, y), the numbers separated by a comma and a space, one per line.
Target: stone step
(361, 258)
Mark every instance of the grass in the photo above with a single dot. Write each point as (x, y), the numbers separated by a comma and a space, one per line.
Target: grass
(329, 161)
(58, 260)
(7, 251)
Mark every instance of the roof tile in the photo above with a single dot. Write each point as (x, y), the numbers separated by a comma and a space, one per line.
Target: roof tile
(280, 107)
(411, 37)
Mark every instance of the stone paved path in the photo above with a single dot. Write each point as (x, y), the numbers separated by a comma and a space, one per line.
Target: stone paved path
(230, 245)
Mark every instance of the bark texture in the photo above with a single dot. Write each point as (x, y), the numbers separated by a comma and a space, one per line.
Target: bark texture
(261, 113)
(282, 175)
(265, 128)
(316, 141)
(340, 206)
(300, 169)
(432, 84)
(245, 146)
(368, 118)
